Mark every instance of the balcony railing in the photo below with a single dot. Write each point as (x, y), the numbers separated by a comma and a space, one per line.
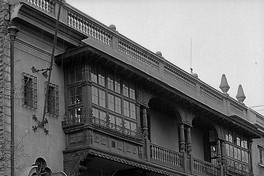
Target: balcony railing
(47, 6)
(205, 168)
(116, 128)
(165, 156)
(73, 121)
(89, 28)
(138, 54)
(238, 171)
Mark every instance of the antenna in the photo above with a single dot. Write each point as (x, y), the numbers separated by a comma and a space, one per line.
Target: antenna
(191, 56)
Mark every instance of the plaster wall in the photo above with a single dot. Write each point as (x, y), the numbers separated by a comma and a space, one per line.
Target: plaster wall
(163, 130)
(197, 144)
(31, 51)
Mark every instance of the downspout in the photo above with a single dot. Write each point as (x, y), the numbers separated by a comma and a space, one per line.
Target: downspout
(12, 32)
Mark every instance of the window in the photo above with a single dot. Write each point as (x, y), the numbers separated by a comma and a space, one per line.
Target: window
(29, 91)
(100, 117)
(115, 122)
(98, 96)
(75, 95)
(128, 90)
(98, 76)
(52, 105)
(75, 75)
(237, 152)
(130, 127)
(113, 102)
(75, 115)
(261, 155)
(76, 111)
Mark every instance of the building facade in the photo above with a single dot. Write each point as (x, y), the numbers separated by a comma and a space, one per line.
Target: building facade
(112, 107)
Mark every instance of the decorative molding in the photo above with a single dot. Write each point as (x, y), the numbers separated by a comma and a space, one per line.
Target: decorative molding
(211, 96)
(180, 78)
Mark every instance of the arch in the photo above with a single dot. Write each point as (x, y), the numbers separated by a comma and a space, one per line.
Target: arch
(38, 167)
(205, 124)
(40, 162)
(165, 107)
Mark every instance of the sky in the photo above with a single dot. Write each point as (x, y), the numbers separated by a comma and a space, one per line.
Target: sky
(214, 37)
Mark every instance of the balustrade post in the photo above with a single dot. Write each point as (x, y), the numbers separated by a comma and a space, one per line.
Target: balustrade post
(56, 5)
(64, 14)
(115, 43)
(191, 162)
(185, 162)
(161, 68)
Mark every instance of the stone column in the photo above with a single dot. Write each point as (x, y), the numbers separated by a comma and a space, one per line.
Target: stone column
(182, 138)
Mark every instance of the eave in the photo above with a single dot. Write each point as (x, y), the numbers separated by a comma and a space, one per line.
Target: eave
(233, 121)
(44, 21)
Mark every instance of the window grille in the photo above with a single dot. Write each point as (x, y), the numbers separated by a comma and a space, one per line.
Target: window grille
(29, 87)
(52, 104)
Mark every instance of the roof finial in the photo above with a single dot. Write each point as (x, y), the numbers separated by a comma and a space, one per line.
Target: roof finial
(224, 84)
(240, 94)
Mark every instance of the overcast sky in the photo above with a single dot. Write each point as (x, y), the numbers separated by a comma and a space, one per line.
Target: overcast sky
(227, 36)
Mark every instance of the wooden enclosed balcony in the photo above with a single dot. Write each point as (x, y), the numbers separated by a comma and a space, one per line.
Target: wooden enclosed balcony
(157, 155)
